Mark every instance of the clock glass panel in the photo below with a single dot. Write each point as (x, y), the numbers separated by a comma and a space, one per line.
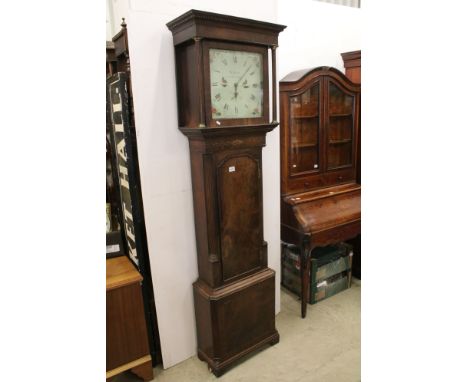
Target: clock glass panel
(236, 84)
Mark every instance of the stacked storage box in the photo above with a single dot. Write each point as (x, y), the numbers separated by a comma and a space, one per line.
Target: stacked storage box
(330, 270)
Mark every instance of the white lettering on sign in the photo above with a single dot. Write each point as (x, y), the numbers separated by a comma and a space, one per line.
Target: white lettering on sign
(232, 168)
(123, 176)
(121, 150)
(119, 128)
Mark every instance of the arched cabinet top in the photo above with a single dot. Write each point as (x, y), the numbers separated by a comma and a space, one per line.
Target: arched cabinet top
(301, 79)
(319, 129)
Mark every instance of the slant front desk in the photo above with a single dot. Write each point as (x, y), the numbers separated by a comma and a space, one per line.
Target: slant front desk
(320, 199)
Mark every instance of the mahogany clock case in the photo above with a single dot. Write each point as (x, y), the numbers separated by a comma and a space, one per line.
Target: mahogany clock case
(235, 293)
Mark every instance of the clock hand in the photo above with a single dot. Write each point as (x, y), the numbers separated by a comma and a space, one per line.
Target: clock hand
(243, 75)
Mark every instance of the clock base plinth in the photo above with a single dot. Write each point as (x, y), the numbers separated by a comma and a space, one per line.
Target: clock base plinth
(219, 368)
(235, 320)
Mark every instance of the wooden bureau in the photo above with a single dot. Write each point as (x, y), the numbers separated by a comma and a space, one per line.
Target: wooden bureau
(320, 198)
(126, 332)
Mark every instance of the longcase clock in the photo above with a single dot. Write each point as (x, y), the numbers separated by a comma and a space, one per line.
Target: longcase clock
(223, 94)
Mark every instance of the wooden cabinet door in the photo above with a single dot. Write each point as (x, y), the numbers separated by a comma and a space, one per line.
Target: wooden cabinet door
(322, 129)
(305, 133)
(240, 215)
(339, 122)
(126, 336)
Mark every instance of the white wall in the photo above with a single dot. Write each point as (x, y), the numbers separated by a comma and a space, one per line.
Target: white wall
(164, 152)
(316, 35)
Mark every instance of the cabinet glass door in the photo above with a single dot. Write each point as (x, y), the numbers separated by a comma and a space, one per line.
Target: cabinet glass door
(340, 128)
(304, 132)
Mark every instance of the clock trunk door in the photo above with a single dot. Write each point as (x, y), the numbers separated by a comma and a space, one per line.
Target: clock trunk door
(241, 220)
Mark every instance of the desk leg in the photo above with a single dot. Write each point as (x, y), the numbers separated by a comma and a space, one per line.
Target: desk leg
(305, 275)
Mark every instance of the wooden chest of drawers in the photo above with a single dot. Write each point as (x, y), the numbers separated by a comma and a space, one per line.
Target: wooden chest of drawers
(126, 332)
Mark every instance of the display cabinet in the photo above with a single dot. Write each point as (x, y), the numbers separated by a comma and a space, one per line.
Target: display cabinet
(320, 120)
(319, 129)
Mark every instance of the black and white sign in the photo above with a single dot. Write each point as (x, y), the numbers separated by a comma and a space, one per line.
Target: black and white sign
(121, 139)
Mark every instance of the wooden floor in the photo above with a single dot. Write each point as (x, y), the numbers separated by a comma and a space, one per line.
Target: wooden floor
(323, 347)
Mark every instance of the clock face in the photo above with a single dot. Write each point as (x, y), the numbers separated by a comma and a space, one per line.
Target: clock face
(236, 84)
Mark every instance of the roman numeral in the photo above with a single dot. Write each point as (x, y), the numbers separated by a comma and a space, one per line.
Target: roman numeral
(226, 106)
(218, 97)
(252, 97)
(235, 59)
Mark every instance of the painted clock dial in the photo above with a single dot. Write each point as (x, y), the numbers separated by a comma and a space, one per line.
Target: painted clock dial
(236, 83)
